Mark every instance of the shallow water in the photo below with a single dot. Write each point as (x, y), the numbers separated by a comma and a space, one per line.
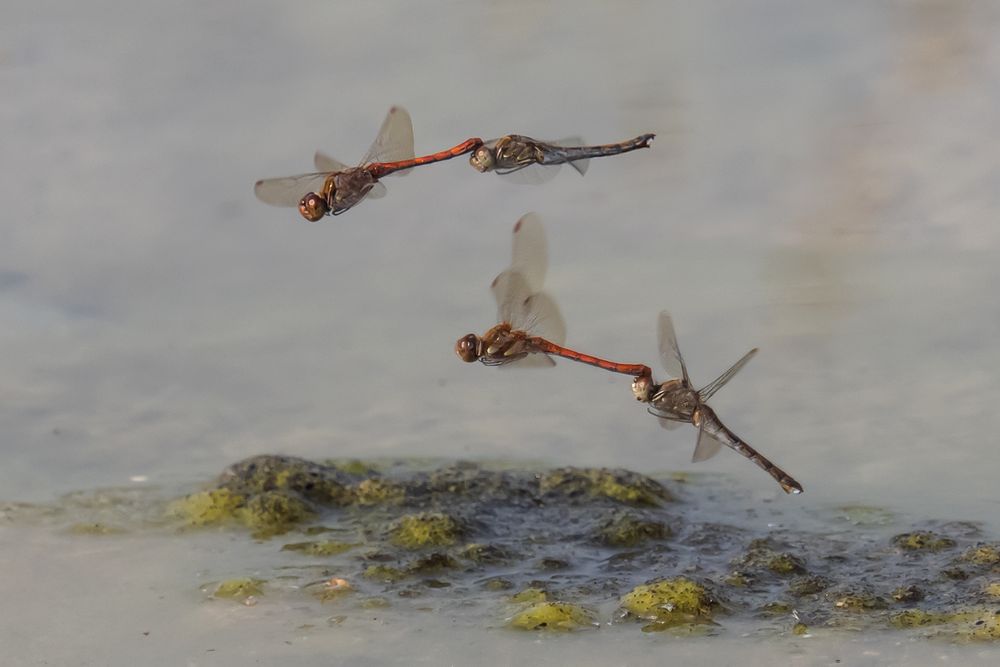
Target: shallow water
(823, 186)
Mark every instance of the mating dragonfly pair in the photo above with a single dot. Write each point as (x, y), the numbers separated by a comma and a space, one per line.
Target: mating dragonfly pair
(530, 331)
(334, 187)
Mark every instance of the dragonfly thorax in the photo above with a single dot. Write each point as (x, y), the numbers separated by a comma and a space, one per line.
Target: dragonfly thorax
(674, 397)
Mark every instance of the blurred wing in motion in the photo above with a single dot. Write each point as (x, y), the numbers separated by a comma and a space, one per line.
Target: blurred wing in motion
(324, 162)
(707, 447)
(289, 190)
(718, 383)
(394, 141)
(530, 254)
(669, 424)
(512, 293)
(670, 353)
(544, 319)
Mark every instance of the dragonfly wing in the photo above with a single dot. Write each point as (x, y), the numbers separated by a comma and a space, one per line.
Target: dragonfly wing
(718, 383)
(530, 254)
(512, 293)
(544, 319)
(579, 165)
(289, 190)
(533, 360)
(395, 139)
(670, 353)
(669, 424)
(530, 174)
(707, 447)
(324, 162)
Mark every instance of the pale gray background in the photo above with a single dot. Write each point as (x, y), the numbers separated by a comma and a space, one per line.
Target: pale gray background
(824, 185)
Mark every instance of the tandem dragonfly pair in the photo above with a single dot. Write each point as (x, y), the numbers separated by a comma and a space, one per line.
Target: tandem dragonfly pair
(530, 328)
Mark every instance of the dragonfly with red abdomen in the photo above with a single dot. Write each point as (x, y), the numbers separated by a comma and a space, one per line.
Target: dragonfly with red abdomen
(334, 187)
(530, 329)
(519, 157)
(677, 402)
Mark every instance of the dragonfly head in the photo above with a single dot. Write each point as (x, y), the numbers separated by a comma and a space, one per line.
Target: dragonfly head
(312, 207)
(482, 159)
(468, 347)
(643, 388)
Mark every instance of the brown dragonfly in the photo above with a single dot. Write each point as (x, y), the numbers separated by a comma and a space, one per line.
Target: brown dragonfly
(530, 329)
(677, 402)
(334, 187)
(519, 157)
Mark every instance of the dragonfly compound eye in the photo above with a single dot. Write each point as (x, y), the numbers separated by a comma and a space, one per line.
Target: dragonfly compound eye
(642, 386)
(482, 159)
(467, 347)
(313, 207)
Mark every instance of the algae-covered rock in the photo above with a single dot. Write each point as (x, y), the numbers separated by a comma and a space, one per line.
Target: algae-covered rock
(319, 548)
(992, 589)
(428, 529)
(923, 540)
(434, 562)
(273, 513)
(623, 529)
(96, 528)
(860, 601)
(908, 593)
(670, 602)
(384, 573)
(531, 595)
(982, 554)
(553, 616)
(761, 555)
(208, 507)
(379, 492)
(485, 554)
(621, 485)
(308, 480)
(239, 588)
(808, 585)
(964, 625)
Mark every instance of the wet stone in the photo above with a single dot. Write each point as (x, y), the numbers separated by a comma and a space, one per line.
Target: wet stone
(495, 541)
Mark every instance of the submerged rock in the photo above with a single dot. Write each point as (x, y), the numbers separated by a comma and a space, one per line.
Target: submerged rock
(553, 616)
(670, 602)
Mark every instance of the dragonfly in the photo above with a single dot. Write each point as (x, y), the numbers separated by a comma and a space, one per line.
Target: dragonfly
(334, 187)
(518, 156)
(677, 402)
(530, 329)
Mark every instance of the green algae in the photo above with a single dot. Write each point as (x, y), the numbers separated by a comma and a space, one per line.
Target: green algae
(379, 492)
(620, 485)
(923, 540)
(209, 507)
(428, 529)
(624, 529)
(463, 534)
(319, 548)
(761, 555)
(272, 513)
(982, 554)
(670, 602)
(239, 588)
(530, 595)
(558, 616)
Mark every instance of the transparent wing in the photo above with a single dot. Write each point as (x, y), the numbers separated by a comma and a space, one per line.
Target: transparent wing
(289, 190)
(544, 319)
(715, 385)
(532, 174)
(394, 141)
(512, 293)
(707, 447)
(670, 353)
(669, 424)
(534, 360)
(530, 254)
(580, 166)
(324, 162)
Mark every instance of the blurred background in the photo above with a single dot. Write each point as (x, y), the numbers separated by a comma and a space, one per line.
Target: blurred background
(823, 185)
